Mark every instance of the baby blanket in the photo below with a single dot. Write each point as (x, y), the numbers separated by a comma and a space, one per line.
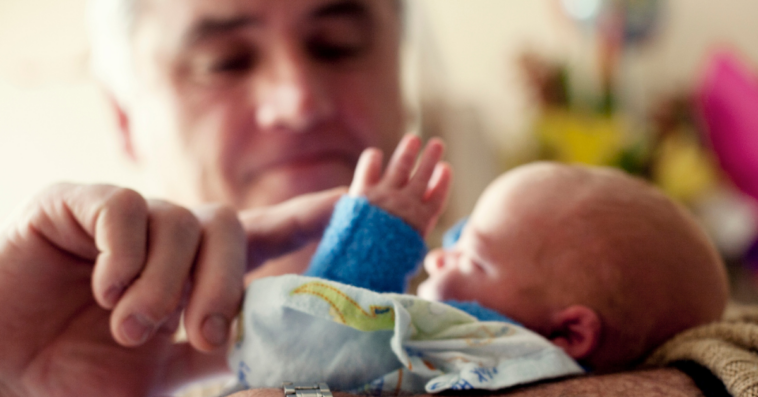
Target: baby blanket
(302, 329)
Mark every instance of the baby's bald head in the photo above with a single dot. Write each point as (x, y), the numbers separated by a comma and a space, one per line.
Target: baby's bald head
(617, 245)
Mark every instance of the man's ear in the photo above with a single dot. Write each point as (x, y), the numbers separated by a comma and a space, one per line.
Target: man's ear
(576, 329)
(125, 139)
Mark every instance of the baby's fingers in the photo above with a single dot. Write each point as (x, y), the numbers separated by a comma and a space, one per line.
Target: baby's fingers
(401, 164)
(368, 172)
(438, 191)
(421, 179)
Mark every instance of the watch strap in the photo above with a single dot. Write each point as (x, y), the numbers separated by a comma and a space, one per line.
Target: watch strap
(319, 389)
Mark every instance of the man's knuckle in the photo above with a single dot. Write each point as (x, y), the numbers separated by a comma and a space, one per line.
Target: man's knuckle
(182, 221)
(162, 302)
(178, 213)
(125, 202)
(225, 300)
(224, 216)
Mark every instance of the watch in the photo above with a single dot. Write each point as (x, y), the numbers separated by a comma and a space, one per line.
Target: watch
(319, 389)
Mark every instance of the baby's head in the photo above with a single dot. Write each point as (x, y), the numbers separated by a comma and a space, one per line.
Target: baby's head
(600, 263)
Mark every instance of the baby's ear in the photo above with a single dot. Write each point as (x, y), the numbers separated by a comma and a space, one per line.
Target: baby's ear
(576, 329)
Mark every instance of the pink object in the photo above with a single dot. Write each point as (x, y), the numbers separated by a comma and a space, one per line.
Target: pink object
(728, 98)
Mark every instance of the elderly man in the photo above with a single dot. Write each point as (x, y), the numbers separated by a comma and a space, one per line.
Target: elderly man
(246, 103)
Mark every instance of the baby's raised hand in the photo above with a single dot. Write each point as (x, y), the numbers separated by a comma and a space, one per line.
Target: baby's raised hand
(418, 195)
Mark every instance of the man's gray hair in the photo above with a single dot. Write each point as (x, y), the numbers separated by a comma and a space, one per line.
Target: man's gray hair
(110, 24)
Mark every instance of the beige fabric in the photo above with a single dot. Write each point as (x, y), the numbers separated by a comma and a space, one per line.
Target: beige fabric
(727, 348)
(203, 390)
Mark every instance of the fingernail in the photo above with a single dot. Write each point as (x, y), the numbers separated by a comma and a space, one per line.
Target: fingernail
(137, 329)
(215, 329)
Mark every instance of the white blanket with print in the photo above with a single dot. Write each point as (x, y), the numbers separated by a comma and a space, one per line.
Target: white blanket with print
(302, 329)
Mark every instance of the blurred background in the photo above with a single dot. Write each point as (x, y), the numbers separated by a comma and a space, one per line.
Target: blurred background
(667, 90)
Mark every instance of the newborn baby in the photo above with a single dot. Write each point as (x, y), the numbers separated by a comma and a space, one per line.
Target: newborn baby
(598, 263)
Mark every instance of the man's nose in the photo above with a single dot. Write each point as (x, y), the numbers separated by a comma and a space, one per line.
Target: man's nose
(289, 95)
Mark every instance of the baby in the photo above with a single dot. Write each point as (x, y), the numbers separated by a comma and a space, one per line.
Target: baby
(599, 263)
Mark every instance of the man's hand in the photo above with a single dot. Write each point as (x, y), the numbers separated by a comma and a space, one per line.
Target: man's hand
(92, 280)
(285, 228)
(416, 196)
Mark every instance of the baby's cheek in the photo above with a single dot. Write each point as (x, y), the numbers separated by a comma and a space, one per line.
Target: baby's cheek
(431, 289)
(426, 290)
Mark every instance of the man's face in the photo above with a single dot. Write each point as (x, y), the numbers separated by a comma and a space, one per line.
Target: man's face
(251, 102)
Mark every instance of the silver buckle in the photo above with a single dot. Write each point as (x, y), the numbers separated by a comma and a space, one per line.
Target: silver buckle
(319, 389)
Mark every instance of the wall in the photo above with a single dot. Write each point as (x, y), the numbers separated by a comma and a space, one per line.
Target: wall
(477, 42)
(468, 53)
(54, 123)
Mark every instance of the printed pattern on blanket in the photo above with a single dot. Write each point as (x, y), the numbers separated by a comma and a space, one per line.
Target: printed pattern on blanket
(303, 329)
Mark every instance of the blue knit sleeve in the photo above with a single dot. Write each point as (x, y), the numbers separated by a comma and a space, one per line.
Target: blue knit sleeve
(367, 247)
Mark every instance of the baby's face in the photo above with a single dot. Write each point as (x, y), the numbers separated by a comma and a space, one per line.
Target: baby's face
(495, 262)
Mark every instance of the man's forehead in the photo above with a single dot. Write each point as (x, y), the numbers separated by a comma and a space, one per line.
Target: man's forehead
(222, 16)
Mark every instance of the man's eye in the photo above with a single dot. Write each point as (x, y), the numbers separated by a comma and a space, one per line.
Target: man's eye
(232, 64)
(338, 38)
(221, 67)
(334, 52)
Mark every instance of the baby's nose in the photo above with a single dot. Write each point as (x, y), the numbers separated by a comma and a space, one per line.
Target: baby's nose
(435, 261)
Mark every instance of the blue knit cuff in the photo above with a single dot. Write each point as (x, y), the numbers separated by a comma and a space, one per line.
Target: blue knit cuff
(367, 247)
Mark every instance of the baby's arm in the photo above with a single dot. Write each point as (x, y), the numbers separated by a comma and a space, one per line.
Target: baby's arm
(378, 248)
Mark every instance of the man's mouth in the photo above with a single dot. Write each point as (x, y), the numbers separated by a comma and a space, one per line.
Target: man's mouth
(315, 159)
